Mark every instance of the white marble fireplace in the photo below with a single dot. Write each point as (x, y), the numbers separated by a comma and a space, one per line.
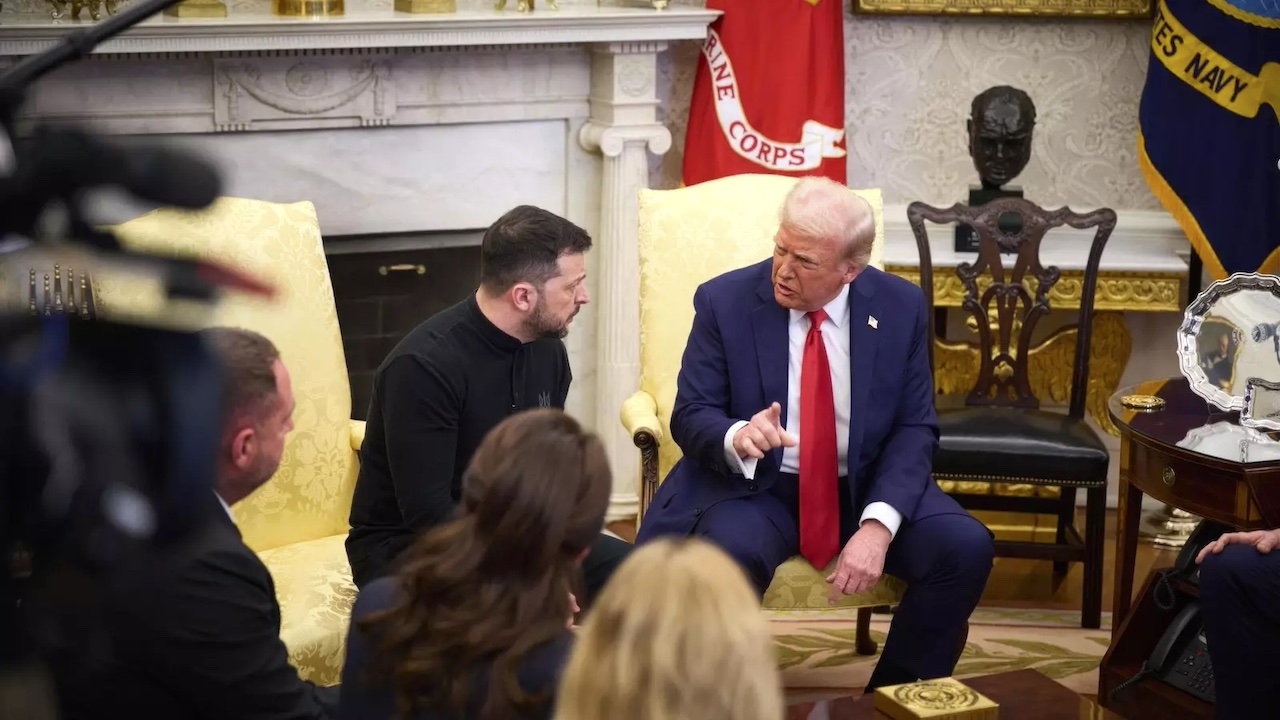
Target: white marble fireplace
(396, 124)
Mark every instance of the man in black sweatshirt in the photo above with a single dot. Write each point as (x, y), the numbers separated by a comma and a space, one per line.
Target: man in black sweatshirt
(460, 373)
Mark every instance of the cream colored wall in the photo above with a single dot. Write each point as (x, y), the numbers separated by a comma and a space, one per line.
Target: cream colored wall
(909, 85)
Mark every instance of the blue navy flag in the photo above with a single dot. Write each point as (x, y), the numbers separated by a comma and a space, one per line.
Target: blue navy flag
(1209, 128)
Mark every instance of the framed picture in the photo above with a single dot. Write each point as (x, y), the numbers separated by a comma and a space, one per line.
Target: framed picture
(1117, 9)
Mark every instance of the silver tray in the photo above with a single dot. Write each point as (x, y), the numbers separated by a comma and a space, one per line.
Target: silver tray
(1230, 334)
(1229, 441)
(1261, 404)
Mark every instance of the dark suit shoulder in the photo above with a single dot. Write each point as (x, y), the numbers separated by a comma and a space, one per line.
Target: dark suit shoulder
(227, 561)
(744, 279)
(896, 288)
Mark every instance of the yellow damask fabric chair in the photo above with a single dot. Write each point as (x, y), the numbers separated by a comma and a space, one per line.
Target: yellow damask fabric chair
(297, 522)
(688, 236)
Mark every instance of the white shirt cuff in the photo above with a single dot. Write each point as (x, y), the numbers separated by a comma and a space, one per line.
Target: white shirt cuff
(887, 516)
(746, 467)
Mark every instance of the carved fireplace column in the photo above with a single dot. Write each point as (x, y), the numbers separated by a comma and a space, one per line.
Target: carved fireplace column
(624, 128)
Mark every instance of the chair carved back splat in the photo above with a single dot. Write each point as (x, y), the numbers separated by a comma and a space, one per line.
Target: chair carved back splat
(1007, 297)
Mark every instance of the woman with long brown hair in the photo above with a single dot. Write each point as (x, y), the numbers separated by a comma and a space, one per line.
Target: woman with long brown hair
(474, 626)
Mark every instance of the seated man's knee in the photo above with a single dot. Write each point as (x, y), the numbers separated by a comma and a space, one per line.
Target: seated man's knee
(1229, 569)
(746, 549)
(970, 551)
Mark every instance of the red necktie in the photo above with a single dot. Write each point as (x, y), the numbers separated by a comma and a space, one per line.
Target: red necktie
(819, 495)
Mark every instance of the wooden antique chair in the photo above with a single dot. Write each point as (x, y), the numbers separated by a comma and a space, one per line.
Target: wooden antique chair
(688, 236)
(1001, 437)
(298, 521)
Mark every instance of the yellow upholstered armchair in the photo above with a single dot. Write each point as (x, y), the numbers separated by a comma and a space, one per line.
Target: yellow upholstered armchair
(297, 522)
(688, 236)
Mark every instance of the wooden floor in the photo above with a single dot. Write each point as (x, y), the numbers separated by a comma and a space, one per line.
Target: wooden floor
(1031, 583)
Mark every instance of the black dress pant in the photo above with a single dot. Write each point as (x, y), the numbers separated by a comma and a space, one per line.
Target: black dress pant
(607, 553)
(1240, 607)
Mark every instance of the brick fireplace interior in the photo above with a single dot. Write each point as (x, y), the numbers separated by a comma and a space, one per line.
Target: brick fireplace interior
(383, 294)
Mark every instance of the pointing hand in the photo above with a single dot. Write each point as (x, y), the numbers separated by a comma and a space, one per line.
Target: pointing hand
(763, 433)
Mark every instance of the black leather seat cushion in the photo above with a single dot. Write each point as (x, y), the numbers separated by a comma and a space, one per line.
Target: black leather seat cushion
(1020, 445)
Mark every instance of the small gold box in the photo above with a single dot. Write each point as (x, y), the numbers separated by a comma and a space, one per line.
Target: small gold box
(941, 699)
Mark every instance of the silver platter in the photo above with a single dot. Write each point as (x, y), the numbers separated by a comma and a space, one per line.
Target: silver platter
(1261, 404)
(1230, 334)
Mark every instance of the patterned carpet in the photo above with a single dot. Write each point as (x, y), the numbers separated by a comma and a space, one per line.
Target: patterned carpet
(818, 653)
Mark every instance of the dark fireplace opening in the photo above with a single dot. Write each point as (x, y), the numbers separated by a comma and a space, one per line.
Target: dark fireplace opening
(385, 287)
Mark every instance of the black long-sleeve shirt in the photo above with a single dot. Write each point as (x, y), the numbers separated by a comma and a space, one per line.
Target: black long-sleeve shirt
(435, 397)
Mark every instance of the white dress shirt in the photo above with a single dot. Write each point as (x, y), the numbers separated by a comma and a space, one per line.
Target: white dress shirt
(835, 335)
(225, 506)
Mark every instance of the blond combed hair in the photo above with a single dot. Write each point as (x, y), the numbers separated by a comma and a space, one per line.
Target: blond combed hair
(820, 208)
(677, 634)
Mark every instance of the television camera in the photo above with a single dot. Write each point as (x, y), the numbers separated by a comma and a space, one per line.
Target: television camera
(108, 426)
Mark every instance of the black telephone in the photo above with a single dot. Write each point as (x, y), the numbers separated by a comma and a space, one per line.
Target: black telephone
(1186, 568)
(1180, 658)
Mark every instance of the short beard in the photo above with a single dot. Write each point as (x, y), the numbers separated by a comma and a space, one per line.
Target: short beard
(541, 326)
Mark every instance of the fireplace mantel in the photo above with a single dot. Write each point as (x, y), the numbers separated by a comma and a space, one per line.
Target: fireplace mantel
(28, 33)
(396, 125)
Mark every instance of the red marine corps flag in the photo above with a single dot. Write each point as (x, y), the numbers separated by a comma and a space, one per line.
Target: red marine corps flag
(769, 93)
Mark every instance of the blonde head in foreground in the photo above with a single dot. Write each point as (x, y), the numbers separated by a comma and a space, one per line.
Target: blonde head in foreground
(677, 634)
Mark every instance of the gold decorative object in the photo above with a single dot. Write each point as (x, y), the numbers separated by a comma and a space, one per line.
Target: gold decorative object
(1168, 527)
(1120, 9)
(427, 6)
(527, 5)
(95, 7)
(311, 8)
(944, 698)
(55, 300)
(1146, 403)
(197, 9)
(1119, 291)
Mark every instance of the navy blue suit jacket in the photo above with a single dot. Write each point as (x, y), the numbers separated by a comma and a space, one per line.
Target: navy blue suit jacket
(735, 365)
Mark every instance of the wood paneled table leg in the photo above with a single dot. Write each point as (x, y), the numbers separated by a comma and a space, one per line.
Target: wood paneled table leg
(1128, 520)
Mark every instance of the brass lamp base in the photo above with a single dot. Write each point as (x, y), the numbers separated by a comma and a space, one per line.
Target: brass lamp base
(308, 8)
(426, 6)
(197, 9)
(1169, 527)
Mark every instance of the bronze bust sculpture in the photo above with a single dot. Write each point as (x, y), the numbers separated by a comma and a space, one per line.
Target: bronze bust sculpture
(1001, 122)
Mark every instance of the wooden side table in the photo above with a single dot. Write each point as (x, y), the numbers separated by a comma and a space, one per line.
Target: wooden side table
(1196, 458)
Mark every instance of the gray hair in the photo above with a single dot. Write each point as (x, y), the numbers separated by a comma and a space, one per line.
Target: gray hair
(819, 208)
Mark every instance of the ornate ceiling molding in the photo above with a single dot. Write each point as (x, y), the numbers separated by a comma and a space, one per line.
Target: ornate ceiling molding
(31, 33)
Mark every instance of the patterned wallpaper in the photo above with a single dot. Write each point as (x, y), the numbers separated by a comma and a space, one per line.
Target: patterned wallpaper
(910, 82)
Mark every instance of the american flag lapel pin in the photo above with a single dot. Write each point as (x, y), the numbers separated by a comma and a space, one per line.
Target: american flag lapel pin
(871, 320)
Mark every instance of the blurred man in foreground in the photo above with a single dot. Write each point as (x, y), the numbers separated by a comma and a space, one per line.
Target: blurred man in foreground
(195, 631)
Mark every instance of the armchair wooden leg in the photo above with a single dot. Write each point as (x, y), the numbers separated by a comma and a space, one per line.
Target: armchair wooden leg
(864, 645)
(1094, 530)
(1066, 518)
